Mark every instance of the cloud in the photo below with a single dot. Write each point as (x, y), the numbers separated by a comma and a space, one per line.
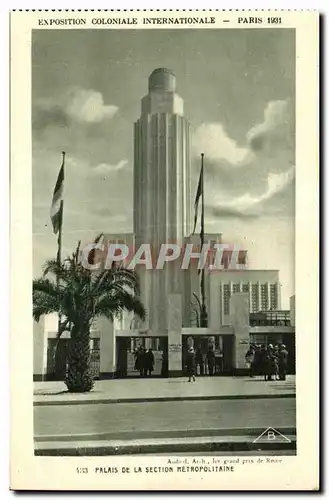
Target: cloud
(275, 184)
(76, 105)
(274, 132)
(275, 126)
(248, 205)
(212, 139)
(253, 176)
(107, 168)
(230, 213)
(88, 106)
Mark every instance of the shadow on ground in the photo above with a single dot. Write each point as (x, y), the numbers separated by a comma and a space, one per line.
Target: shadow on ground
(42, 392)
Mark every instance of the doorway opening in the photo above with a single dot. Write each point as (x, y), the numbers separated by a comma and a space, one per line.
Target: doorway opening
(214, 354)
(141, 357)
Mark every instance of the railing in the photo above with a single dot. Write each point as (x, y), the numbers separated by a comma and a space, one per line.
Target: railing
(270, 318)
(95, 362)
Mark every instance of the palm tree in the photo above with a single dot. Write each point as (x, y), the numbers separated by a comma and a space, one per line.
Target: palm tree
(80, 296)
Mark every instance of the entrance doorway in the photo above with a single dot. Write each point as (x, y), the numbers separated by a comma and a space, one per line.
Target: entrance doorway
(135, 356)
(214, 354)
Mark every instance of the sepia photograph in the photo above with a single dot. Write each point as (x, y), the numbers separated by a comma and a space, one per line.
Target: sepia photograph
(163, 241)
(164, 187)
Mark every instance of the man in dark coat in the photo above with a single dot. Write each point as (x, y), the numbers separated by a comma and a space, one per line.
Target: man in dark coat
(190, 364)
(164, 365)
(283, 362)
(149, 362)
(271, 365)
(263, 361)
(257, 360)
(140, 361)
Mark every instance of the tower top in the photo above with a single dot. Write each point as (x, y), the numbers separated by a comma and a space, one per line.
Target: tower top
(162, 79)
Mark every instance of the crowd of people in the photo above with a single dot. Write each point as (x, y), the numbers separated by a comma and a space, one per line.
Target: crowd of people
(209, 362)
(269, 361)
(204, 362)
(144, 361)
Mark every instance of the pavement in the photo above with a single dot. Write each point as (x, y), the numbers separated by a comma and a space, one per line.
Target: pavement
(145, 390)
(165, 427)
(223, 444)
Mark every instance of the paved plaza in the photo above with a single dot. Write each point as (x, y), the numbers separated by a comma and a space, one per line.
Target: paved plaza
(131, 420)
(149, 389)
(211, 414)
(183, 426)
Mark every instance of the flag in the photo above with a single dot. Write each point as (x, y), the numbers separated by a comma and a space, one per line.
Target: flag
(197, 199)
(56, 211)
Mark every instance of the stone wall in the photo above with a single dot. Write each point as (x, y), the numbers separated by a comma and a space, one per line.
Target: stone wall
(39, 350)
(107, 348)
(174, 335)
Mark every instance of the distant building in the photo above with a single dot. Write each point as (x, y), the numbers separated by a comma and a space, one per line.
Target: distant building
(262, 286)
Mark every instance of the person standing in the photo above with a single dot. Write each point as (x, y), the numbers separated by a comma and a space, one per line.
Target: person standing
(140, 361)
(257, 360)
(149, 362)
(250, 357)
(137, 354)
(270, 362)
(276, 362)
(211, 360)
(164, 365)
(282, 362)
(263, 361)
(144, 362)
(190, 364)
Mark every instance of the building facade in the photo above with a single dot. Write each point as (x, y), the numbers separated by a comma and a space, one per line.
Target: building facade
(241, 302)
(262, 286)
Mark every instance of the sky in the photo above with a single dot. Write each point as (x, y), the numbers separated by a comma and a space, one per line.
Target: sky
(238, 87)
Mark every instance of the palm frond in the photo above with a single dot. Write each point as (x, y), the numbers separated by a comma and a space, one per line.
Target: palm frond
(98, 238)
(105, 280)
(43, 305)
(121, 300)
(45, 286)
(80, 295)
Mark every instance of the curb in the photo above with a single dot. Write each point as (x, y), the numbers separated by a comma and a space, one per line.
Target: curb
(162, 434)
(170, 448)
(65, 402)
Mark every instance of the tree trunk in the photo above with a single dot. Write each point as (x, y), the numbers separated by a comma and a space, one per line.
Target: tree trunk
(79, 378)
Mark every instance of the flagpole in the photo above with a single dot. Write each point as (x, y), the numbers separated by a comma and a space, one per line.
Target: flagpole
(204, 315)
(59, 241)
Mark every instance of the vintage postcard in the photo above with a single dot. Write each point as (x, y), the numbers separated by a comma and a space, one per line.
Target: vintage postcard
(164, 235)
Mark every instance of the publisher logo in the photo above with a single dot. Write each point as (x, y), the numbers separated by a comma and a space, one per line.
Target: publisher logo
(271, 435)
